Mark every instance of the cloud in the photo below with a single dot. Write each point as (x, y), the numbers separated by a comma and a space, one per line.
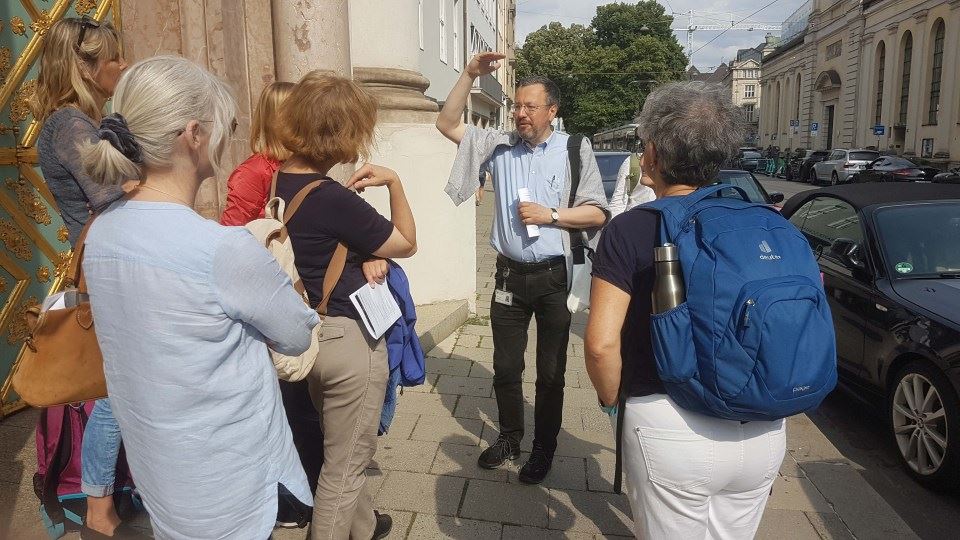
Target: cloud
(533, 14)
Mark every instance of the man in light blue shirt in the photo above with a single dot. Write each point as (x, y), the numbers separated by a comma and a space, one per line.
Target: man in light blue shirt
(533, 266)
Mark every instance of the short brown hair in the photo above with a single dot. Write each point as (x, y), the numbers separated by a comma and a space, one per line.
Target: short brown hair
(266, 117)
(328, 119)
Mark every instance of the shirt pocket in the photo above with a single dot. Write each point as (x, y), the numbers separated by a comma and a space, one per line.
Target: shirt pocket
(549, 189)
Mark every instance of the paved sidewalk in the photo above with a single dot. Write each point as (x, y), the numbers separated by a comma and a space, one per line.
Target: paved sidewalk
(425, 473)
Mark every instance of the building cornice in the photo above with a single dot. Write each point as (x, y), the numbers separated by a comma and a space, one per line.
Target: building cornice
(921, 15)
(954, 4)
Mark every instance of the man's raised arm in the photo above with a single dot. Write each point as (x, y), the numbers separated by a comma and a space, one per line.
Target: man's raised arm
(450, 120)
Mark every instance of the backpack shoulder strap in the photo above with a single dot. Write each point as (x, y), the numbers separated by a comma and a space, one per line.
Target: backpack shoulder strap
(330, 279)
(299, 197)
(573, 157)
(273, 184)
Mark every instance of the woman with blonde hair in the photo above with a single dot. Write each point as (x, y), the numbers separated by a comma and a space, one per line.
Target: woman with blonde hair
(185, 309)
(79, 69)
(249, 185)
(326, 121)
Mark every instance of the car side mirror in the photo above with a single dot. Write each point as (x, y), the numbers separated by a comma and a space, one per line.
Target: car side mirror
(776, 197)
(848, 253)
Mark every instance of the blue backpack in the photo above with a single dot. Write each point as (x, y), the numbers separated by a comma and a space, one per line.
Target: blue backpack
(754, 339)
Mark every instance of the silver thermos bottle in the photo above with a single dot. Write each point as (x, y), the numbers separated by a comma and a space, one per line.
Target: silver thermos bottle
(668, 290)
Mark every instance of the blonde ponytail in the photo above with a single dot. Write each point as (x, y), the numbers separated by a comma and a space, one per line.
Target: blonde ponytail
(106, 164)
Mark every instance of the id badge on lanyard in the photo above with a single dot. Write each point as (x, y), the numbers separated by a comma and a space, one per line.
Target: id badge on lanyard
(501, 295)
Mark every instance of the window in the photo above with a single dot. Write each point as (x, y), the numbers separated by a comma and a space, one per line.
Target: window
(420, 21)
(824, 220)
(834, 50)
(750, 90)
(881, 60)
(905, 84)
(937, 67)
(797, 115)
(443, 31)
(748, 112)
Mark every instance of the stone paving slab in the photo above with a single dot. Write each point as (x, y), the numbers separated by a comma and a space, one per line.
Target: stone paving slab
(506, 503)
(420, 492)
(596, 513)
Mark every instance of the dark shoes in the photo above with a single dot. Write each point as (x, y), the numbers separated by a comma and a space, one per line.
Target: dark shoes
(384, 524)
(122, 532)
(537, 467)
(501, 451)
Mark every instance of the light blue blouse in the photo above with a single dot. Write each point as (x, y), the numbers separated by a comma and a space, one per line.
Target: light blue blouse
(183, 308)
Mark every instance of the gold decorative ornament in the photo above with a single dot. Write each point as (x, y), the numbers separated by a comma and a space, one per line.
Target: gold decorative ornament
(63, 261)
(17, 26)
(4, 62)
(41, 23)
(43, 274)
(63, 234)
(20, 106)
(83, 6)
(17, 331)
(29, 202)
(3, 285)
(15, 241)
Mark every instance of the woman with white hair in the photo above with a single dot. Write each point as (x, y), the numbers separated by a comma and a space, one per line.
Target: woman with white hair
(184, 310)
(689, 475)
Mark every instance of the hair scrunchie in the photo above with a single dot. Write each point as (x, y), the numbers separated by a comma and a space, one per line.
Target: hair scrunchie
(114, 128)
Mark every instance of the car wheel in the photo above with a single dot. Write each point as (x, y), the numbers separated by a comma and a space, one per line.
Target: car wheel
(812, 177)
(854, 179)
(834, 179)
(924, 418)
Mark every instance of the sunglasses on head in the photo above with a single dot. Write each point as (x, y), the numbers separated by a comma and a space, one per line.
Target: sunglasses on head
(85, 22)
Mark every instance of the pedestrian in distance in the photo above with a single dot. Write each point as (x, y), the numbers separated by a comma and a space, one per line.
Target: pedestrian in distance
(535, 214)
(700, 448)
(79, 69)
(327, 121)
(185, 309)
(629, 191)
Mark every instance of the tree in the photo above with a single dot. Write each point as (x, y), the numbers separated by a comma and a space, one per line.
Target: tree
(605, 70)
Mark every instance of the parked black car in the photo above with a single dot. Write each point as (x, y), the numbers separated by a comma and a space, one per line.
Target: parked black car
(950, 177)
(890, 169)
(890, 256)
(805, 173)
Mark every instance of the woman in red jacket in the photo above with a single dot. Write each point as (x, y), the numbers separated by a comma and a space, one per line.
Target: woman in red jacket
(249, 185)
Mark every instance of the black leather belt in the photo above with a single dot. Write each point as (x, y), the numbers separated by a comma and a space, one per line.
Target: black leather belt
(527, 268)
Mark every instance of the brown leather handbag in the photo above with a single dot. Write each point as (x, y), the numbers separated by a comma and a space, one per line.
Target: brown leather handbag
(62, 362)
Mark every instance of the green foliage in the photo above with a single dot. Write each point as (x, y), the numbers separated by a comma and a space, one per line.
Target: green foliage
(605, 70)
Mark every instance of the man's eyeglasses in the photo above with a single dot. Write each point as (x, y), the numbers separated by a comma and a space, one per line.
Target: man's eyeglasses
(531, 109)
(85, 22)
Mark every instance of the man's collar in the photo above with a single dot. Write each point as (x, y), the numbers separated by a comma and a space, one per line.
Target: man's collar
(515, 139)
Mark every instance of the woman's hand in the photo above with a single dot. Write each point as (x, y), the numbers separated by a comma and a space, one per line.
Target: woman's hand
(375, 271)
(371, 176)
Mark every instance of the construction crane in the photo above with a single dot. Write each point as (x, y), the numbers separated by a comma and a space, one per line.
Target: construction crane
(732, 25)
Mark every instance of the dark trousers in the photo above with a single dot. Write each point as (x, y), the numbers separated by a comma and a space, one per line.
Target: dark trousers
(305, 424)
(540, 290)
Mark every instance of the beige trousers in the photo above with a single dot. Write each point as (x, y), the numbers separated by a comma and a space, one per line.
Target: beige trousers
(347, 385)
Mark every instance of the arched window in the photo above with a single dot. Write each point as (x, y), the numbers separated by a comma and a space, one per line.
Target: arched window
(905, 78)
(881, 61)
(937, 72)
(797, 115)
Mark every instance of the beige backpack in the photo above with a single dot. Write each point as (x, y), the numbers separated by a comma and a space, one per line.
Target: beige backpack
(271, 231)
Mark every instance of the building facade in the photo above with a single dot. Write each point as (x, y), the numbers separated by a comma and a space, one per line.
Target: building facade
(507, 45)
(856, 65)
(743, 79)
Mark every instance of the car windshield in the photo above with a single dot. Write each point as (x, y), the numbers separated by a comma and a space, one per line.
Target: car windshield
(751, 155)
(921, 240)
(901, 163)
(745, 182)
(864, 156)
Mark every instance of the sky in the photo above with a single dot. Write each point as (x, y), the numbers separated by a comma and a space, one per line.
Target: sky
(532, 14)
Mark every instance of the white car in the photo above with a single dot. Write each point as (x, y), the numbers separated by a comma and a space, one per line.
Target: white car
(841, 164)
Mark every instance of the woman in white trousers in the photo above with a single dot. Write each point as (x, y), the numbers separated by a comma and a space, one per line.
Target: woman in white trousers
(688, 475)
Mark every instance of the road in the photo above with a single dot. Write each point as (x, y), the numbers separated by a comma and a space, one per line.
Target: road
(858, 431)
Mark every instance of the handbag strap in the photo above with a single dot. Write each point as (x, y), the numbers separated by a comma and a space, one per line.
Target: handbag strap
(75, 275)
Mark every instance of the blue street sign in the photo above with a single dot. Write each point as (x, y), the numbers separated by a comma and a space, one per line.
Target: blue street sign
(814, 126)
(878, 130)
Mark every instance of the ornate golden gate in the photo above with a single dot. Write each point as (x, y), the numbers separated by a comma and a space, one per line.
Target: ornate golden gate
(33, 240)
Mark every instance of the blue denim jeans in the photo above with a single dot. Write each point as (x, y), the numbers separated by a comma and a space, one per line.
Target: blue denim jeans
(101, 446)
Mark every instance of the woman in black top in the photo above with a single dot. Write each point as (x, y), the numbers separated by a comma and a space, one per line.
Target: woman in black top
(688, 475)
(326, 121)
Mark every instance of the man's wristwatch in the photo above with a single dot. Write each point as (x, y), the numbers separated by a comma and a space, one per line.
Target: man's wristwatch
(554, 215)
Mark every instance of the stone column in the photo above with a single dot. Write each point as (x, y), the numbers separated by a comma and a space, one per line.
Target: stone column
(309, 35)
(386, 57)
